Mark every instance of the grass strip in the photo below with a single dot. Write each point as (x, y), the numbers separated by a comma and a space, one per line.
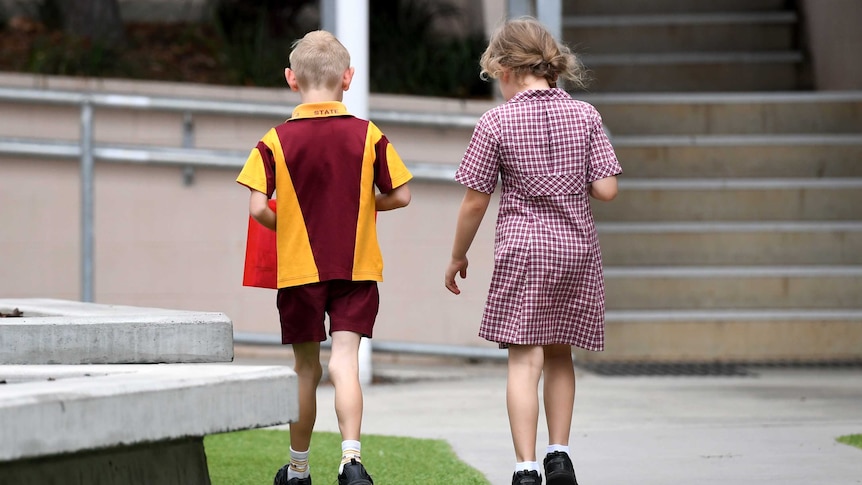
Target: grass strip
(852, 440)
(253, 457)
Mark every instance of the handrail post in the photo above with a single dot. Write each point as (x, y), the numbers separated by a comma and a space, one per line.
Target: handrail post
(188, 142)
(87, 201)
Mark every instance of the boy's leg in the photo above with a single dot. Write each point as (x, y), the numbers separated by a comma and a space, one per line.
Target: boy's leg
(344, 374)
(301, 313)
(559, 392)
(308, 371)
(522, 398)
(352, 310)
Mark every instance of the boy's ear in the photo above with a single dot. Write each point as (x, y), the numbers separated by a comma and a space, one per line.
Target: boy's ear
(347, 78)
(290, 77)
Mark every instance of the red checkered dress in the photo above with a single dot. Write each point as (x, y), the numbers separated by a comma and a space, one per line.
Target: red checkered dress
(547, 286)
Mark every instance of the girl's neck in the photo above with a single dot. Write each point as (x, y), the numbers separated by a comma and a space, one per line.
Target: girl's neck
(530, 82)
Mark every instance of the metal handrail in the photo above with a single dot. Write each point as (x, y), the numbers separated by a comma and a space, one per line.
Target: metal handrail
(209, 106)
(189, 157)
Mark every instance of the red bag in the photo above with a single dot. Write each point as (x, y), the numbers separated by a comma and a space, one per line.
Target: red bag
(261, 261)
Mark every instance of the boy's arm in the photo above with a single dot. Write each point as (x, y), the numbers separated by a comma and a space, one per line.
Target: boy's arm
(604, 189)
(258, 207)
(396, 198)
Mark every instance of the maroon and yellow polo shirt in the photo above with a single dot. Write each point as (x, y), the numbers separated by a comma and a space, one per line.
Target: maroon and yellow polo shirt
(323, 165)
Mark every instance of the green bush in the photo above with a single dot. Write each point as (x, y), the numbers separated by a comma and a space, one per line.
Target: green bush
(71, 56)
(409, 57)
(255, 38)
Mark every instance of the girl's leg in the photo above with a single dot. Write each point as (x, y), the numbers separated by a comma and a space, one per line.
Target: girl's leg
(344, 373)
(522, 398)
(559, 392)
(308, 373)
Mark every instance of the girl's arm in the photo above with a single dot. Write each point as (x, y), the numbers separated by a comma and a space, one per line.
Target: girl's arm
(470, 216)
(604, 189)
(258, 207)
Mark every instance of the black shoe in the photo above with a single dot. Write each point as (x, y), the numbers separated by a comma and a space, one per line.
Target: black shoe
(281, 478)
(526, 477)
(559, 469)
(354, 474)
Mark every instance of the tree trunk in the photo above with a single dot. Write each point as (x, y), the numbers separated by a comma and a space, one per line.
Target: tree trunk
(98, 20)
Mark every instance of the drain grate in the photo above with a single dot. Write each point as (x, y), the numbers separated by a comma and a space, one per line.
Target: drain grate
(718, 369)
(665, 369)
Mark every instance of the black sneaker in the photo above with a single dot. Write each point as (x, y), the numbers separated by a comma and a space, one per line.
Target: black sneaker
(281, 478)
(354, 474)
(526, 477)
(559, 469)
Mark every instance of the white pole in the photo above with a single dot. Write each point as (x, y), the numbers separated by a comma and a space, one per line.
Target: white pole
(327, 15)
(519, 8)
(550, 13)
(351, 28)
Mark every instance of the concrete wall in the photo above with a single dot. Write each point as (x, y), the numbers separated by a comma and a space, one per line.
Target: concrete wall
(160, 243)
(834, 36)
(181, 462)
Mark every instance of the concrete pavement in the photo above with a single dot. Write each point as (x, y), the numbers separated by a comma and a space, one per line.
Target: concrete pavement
(776, 426)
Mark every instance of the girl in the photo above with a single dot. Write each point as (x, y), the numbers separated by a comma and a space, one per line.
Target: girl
(547, 290)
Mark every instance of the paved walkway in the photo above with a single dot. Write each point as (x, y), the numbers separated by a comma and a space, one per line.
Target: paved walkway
(778, 426)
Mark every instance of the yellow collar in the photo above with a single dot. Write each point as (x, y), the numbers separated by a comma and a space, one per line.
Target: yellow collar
(319, 110)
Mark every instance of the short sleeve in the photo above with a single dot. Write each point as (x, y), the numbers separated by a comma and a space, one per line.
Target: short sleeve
(480, 167)
(258, 173)
(601, 160)
(390, 171)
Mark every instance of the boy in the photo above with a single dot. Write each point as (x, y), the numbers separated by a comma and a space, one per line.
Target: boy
(323, 164)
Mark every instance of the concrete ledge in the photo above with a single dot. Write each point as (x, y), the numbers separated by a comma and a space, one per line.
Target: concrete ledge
(52, 410)
(66, 332)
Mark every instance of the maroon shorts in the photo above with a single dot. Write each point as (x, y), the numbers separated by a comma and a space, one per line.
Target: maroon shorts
(351, 305)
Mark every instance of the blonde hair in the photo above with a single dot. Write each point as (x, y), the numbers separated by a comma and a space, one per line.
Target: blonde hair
(526, 47)
(319, 60)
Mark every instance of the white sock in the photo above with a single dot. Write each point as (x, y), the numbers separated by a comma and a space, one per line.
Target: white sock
(553, 448)
(298, 464)
(527, 466)
(350, 449)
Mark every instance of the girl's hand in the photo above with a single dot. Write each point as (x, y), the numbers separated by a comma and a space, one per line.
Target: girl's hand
(456, 266)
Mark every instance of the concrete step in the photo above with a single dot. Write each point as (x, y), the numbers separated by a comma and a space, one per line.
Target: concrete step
(804, 156)
(730, 336)
(681, 32)
(732, 243)
(693, 72)
(729, 113)
(742, 287)
(605, 7)
(670, 200)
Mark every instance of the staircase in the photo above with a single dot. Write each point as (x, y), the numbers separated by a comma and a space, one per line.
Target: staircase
(737, 234)
(684, 45)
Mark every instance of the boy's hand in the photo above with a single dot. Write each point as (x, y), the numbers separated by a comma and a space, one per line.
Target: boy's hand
(456, 266)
